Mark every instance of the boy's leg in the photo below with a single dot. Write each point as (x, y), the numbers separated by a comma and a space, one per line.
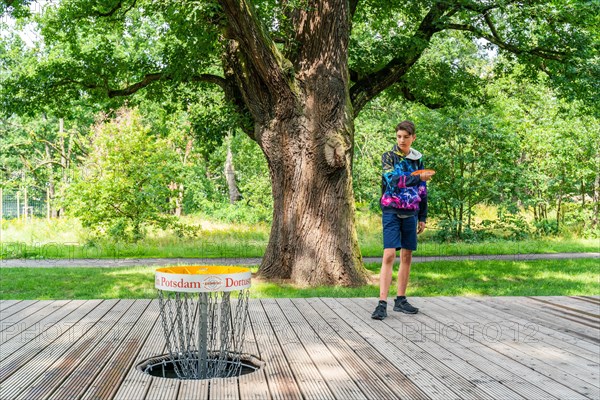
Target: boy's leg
(391, 241)
(404, 270)
(409, 244)
(385, 276)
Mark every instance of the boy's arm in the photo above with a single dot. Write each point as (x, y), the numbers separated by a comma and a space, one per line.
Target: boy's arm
(423, 195)
(395, 178)
(423, 206)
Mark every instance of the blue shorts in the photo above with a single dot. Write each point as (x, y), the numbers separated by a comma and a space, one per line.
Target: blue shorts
(399, 233)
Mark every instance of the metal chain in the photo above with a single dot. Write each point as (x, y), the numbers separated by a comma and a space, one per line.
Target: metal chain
(204, 334)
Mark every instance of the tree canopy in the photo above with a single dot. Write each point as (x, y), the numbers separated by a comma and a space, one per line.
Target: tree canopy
(93, 50)
(294, 75)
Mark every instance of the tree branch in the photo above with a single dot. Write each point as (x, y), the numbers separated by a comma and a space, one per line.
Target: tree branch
(110, 12)
(482, 8)
(353, 6)
(113, 10)
(43, 164)
(408, 95)
(147, 80)
(369, 86)
(490, 23)
(493, 38)
(245, 28)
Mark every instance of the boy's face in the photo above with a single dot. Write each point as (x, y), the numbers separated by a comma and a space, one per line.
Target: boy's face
(405, 140)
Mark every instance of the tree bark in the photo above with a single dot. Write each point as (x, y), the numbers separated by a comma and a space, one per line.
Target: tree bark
(65, 157)
(51, 187)
(303, 121)
(313, 238)
(234, 193)
(582, 196)
(460, 218)
(558, 207)
(596, 200)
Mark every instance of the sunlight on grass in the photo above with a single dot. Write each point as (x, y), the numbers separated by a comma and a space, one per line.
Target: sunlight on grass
(442, 278)
(434, 275)
(144, 271)
(65, 238)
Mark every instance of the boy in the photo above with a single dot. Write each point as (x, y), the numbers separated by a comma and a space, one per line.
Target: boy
(404, 214)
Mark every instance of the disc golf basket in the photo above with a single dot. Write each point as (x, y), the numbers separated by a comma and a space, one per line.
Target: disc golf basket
(204, 313)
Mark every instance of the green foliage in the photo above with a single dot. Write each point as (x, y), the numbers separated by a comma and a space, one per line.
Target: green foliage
(475, 164)
(123, 187)
(522, 149)
(88, 49)
(505, 137)
(210, 196)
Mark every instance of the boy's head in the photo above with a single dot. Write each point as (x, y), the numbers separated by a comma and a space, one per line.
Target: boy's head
(405, 135)
(407, 126)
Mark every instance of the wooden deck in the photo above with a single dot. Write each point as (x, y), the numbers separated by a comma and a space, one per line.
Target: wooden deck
(320, 348)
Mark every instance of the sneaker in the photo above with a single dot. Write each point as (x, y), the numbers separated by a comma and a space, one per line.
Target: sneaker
(381, 311)
(402, 305)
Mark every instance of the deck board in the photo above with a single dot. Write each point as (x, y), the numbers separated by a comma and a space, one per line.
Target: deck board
(553, 378)
(588, 309)
(41, 352)
(5, 304)
(333, 368)
(587, 315)
(74, 345)
(568, 341)
(20, 349)
(395, 379)
(564, 330)
(426, 380)
(136, 383)
(281, 381)
(113, 332)
(253, 386)
(9, 307)
(136, 332)
(458, 340)
(535, 312)
(537, 336)
(538, 346)
(461, 385)
(373, 384)
(14, 315)
(587, 299)
(307, 374)
(448, 350)
(314, 348)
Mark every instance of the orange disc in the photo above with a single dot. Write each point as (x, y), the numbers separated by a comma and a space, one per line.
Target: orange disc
(424, 171)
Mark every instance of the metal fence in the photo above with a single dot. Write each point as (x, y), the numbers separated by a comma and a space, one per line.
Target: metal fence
(23, 204)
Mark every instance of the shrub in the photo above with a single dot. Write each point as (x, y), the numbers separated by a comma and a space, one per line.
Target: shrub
(123, 187)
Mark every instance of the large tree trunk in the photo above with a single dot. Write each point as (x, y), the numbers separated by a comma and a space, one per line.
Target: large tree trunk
(313, 238)
(303, 120)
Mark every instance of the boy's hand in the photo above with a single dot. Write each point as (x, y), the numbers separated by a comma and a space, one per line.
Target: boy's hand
(425, 176)
(421, 227)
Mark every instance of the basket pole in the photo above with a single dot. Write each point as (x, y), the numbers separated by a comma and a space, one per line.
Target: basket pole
(202, 334)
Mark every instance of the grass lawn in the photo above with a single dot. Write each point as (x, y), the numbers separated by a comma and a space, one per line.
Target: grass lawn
(66, 239)
(235, 245)
(456, 278)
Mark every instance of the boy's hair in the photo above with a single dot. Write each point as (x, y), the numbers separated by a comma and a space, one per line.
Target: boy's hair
(407, 126)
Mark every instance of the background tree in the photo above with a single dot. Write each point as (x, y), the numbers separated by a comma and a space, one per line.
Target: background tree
(125, 184)
(297, 75)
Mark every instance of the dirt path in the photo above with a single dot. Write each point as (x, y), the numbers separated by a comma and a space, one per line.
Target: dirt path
(130, 262)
